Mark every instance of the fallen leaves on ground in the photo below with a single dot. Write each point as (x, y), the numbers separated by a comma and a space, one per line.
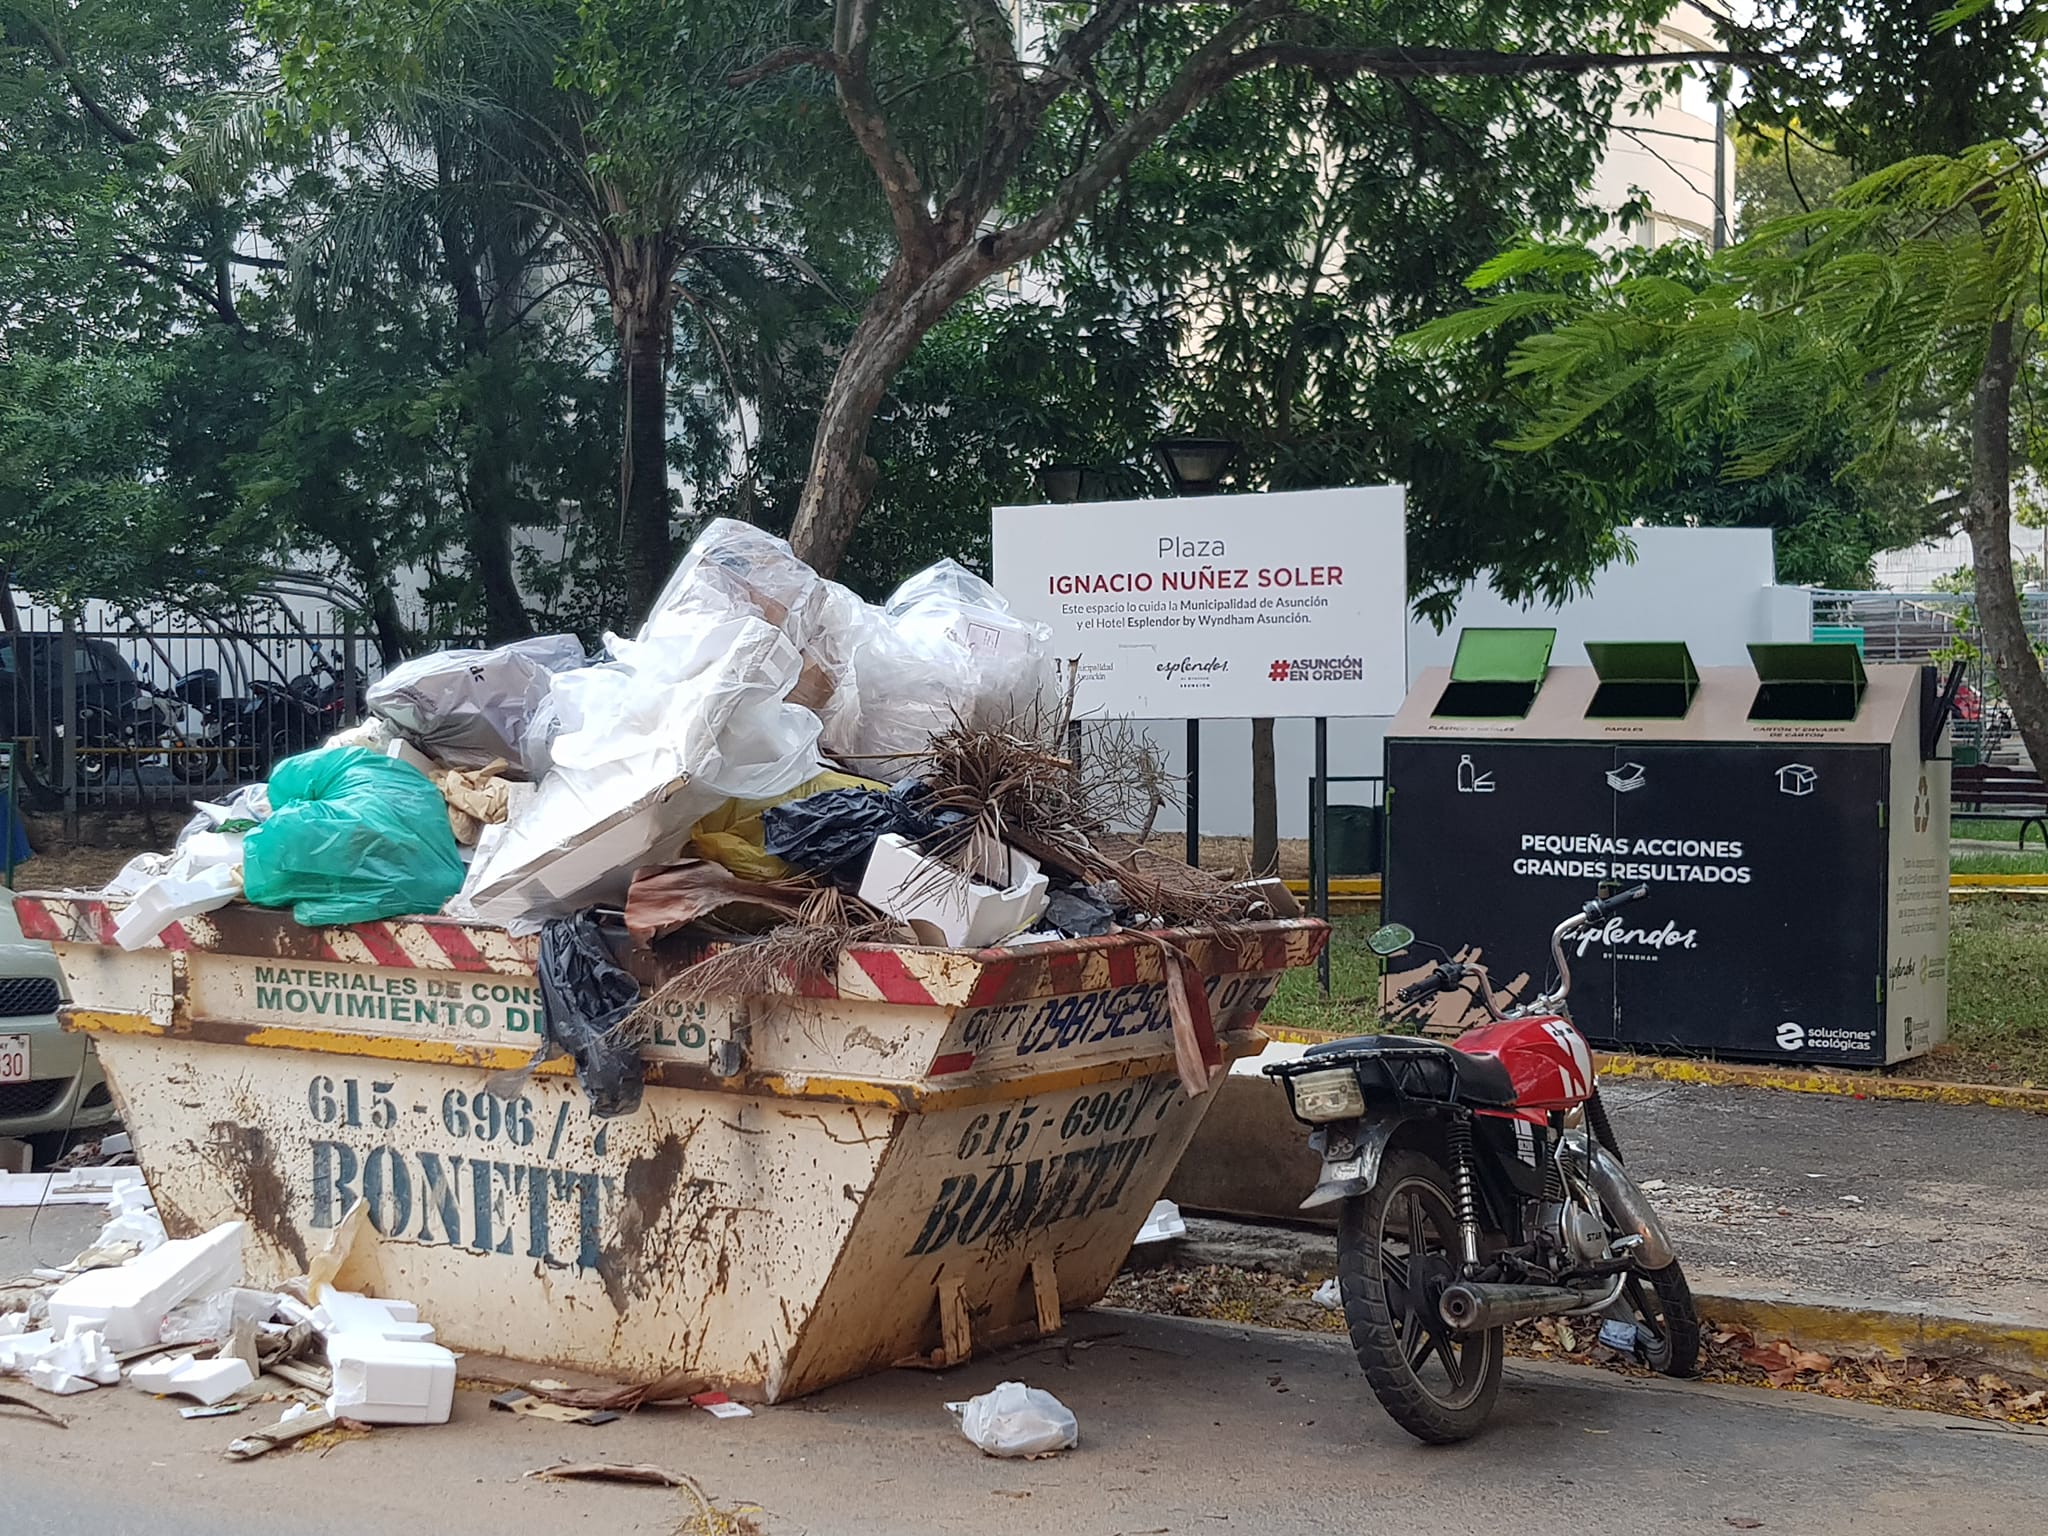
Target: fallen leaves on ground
(1223, 1293)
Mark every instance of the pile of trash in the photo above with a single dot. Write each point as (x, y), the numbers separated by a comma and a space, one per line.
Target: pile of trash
(769, 770)
(173, 1318)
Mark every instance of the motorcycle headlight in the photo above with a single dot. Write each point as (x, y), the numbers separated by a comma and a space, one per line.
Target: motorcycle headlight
(1331, 1095)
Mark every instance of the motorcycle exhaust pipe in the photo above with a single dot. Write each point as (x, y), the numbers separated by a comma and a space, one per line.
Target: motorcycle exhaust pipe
(1474, 1308)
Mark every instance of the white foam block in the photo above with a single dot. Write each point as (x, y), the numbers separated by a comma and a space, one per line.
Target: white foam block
(390, 1381)
(346, 1312)
(128, 1304)
(209, 1381)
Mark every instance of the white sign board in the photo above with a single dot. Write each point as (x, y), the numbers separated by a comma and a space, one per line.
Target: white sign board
(1284, 603)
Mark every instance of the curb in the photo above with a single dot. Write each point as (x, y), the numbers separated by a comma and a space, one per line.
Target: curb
(1830, 1324)
(1737, 1074)
(1730, 1074)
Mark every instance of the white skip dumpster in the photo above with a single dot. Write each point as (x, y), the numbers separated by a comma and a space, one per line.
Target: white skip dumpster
(937, 1154)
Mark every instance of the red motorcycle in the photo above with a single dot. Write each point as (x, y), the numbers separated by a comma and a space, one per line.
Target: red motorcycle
(1481, 1185)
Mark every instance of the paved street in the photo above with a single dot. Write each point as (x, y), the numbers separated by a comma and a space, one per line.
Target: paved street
(1185, 1427)
(1931, 1205)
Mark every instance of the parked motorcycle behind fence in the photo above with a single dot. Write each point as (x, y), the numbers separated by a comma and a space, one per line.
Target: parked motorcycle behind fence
(1481, 1184)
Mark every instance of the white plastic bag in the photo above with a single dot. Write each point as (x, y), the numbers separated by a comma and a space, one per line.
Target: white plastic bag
(466, 707)
(1016, 1420)
(647, 746)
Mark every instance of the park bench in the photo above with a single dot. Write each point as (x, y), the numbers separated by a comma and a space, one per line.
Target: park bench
(1984, 792)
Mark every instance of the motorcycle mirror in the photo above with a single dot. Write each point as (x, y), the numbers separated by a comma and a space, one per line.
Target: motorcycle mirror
(1390, 940)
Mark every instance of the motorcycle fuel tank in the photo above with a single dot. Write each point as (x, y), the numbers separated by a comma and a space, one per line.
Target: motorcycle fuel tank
(1546, 1059)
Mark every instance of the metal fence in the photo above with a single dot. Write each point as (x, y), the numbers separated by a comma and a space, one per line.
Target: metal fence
(133, 710)
(1937, 628)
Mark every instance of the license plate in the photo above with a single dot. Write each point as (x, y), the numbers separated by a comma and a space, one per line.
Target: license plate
(13, 1058)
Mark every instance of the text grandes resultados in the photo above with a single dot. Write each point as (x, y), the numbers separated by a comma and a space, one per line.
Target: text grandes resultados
(1663, 860)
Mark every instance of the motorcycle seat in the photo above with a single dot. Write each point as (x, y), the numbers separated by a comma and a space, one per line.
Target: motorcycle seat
(1428, 1068)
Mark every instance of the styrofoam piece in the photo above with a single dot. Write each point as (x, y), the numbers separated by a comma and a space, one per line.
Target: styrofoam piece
(173, 897)
(390, 1381)
(22, 1350)
(129, 1303)
(1162, 1225)
(964, 914)
(77, 1361)
(1276, 1050)
(207, 1381)
(74, 1186)
(346, 1312)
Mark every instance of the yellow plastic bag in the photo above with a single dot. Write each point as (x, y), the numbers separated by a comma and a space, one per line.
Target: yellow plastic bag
(732, 834)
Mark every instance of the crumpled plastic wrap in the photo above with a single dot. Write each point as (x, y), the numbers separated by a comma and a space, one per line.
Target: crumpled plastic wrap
(648, 745)
(467, 707)
(1016, 1420)
(882, 680)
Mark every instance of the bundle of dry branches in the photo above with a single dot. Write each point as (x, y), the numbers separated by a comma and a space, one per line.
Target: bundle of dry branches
(783, 960)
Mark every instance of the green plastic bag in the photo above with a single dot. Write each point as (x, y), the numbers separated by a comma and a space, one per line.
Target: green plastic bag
(352, 836)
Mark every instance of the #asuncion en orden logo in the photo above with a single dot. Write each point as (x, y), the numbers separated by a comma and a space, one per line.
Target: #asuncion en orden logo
(1317, 669)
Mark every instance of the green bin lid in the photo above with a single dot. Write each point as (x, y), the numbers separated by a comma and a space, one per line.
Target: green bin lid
(1808, 681)
(1642, 679)
(1496, 673)
(1502, 655)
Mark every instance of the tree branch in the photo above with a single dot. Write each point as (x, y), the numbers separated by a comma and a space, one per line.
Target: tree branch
(60, 56)
(853, 35)
(1394, 62)
(224, 309)
(783, 59)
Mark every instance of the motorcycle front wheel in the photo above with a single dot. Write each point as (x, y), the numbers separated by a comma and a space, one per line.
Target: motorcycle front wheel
(1397, 1248)
(1667, 1322)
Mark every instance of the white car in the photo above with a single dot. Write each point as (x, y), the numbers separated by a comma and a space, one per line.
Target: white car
(52, 1093)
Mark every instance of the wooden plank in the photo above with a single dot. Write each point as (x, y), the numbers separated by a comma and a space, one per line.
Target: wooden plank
(953, 1320)
(1045, 1286)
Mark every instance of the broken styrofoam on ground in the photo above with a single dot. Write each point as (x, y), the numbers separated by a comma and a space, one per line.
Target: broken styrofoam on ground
(347, 1312)
(130, 1302)
(208, 1381)
(62, 1364)
(390, 1381)
(1162, 1225)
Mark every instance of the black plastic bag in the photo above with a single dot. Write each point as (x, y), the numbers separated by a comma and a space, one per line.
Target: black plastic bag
(832, 833)
(586, 998)
(1083, 911)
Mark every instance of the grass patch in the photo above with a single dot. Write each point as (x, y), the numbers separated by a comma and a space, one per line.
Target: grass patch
(1988, 861)
(1352, 1006)
(1997, 994)
(1993, 831)
(1997, 990)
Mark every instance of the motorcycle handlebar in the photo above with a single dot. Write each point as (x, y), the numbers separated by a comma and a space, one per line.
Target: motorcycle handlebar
(1595, 910)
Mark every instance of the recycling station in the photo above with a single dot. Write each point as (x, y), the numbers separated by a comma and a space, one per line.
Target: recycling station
(1789, 818)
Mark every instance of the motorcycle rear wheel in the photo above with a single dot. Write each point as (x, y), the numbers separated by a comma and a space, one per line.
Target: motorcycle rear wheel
(1436, 1384)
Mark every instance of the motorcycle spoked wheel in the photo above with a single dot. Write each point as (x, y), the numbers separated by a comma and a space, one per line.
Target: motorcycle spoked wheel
(1397, 1248)
(1667, 1322)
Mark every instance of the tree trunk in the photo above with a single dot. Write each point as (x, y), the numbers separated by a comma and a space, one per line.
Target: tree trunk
(488, 533)
(842, 475)
(1265, 801)
(1988, 517)
(487, 504)
(643, 471)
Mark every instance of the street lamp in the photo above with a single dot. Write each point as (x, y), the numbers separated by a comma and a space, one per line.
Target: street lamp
(1195, 465)
(1061, 482)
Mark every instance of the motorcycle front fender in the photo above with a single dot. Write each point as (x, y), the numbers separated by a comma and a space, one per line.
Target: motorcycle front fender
(1351, 1158)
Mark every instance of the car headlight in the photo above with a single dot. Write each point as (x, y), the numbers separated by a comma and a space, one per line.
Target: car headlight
(1331, 1095)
